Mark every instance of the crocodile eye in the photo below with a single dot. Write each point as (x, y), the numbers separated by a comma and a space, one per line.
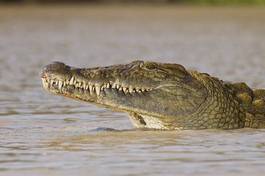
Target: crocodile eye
(151, 67)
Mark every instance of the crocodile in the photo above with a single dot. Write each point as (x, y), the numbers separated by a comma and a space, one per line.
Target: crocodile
(163, 96)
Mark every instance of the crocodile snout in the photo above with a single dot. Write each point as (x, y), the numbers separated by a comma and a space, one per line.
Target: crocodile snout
(54, 68)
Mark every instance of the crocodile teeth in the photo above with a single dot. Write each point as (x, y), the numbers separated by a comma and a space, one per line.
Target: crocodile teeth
(90, 88)
(130, 89)
(86, 86)
(60, 84)
(108, 85)
(72, 81)
(97, 90)
(124, 89)
(138, 90)
(45, 83)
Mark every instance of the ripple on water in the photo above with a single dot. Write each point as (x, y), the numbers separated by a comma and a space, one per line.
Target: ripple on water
(41, 134)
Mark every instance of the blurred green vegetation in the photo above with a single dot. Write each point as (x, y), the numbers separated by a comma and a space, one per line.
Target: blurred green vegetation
(195, 2)
(226, 2)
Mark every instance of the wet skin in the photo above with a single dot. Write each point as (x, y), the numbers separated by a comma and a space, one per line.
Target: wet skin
(160, 95)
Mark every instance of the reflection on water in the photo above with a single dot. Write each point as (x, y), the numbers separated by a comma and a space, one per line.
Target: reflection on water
(41, 134)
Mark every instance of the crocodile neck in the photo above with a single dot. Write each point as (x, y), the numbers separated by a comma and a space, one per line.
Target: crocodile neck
(219, 98)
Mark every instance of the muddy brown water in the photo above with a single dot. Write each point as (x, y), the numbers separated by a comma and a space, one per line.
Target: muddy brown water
(42, 134)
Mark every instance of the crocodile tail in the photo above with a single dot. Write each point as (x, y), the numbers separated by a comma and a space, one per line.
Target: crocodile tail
(252, 101)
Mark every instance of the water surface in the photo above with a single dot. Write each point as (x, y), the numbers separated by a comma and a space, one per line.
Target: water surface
(42, 134)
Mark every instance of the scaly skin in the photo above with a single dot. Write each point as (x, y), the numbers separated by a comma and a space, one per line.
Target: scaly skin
(161, 96)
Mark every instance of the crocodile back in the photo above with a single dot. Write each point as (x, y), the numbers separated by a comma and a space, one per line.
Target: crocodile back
(252, 101)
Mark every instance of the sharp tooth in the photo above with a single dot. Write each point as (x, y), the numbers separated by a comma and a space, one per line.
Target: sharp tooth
(120, 89)
(60, 84)
(86, 86)
(102, 88)
(97, 89)
(108, 85)
(138, 90)
(130, 89)
(124, 89)
(90, 88)
(72, 81)
(45, 84)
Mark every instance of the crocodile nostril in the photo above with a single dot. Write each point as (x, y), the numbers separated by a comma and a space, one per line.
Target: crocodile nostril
(43, 75)
(55, 66)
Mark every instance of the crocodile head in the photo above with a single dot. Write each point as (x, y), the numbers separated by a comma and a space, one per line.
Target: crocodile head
(156, 95)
